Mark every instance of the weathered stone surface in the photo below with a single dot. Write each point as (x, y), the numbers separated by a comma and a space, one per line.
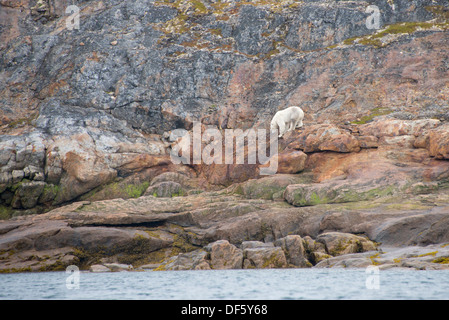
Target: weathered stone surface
(270, 187)
(394, 128)
(311, 245)
(165, 189)
(438, 142)
(186, 180)
(195, 260)
(73, 161)
(405, 141)
(294, 250)
(258, 42)
(27, 194)
(326, 137)
(430, 257)
(319, 256)
(291, 162)
(76, 126)
(337, 192)
(316, 251)
(368, 141)
(256, 244)
(263, 257)
(337, 243)
(84, 232)
(224, 255)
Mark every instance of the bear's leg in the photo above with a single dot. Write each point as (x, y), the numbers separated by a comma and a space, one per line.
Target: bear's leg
(295, 124)
(288, 126)
(281, 128)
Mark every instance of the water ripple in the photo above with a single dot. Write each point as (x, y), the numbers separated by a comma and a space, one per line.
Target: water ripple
(269, 284)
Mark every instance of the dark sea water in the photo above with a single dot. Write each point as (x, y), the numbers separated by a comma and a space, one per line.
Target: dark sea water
(268, 284)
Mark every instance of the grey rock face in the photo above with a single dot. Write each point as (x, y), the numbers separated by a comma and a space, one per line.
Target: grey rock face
(172, 62)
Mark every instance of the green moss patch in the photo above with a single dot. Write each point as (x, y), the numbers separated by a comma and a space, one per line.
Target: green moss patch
(397, 29)
(117, 189)
(318, 195)
(433, 253)
(273, 261)
(5, 212)
(16, 270)
(376, 112)
(442, 260)
(21, 122)
(135, 191)
(373, 259)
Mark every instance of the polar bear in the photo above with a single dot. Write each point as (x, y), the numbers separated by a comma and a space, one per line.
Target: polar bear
(287, 120)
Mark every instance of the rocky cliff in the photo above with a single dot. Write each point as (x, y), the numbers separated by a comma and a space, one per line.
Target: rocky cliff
(86, 176)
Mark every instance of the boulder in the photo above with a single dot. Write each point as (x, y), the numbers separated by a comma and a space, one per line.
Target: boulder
(291, 161)
(337, 243)
(436, 233)
(194, 260)
(165, 189)
(326, 137)
(311, 245)
(48, 194)
(353, 260)
(224, 255)
(437, 142)
(419, 228)
(264, 257)
(318, 256)
(316, 251)
(27, 194)
(294, 250)
(227, 174)
(83, 167)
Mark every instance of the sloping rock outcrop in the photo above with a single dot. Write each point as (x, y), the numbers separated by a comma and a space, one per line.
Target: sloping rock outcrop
(212, 229)
(84, 108)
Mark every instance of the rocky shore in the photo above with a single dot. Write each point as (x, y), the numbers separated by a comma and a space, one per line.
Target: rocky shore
(86, 177)
(385, 204)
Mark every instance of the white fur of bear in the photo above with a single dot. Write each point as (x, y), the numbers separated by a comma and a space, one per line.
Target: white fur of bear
(287, 120)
